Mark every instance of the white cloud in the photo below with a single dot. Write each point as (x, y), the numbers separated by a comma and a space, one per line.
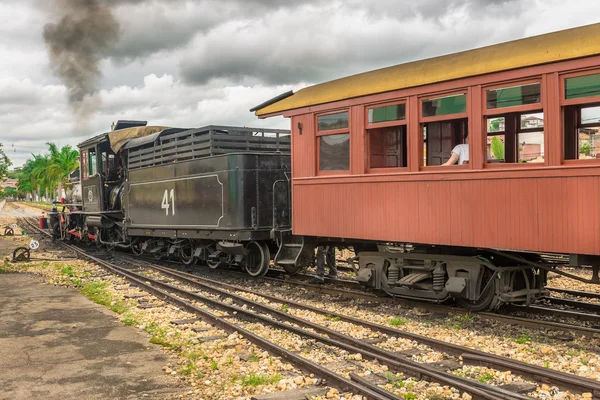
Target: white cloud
(191, 63)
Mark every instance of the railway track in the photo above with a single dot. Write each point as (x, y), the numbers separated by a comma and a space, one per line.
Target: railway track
(270, 316)
(221, 290)
(468, 355)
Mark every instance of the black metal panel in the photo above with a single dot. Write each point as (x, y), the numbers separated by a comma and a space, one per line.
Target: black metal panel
(176, 145)
(232, 192)
(241, 235)
(91, 196)
(189, 201)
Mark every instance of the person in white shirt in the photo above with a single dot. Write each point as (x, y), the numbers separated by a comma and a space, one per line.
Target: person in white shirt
(460, 153)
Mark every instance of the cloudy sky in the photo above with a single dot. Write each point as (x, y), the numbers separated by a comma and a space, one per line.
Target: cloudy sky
(192, 63)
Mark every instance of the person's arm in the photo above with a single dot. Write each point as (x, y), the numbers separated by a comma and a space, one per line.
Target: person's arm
(452, 160)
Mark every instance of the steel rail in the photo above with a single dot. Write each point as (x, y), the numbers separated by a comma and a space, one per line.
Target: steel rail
(343, 341)
(227, 326)
(593, 307)
(577, 293)
(473, 355)
(544, 375)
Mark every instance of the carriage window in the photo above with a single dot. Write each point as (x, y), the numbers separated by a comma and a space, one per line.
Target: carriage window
(582, 86)
(513, 96)
(396, 112)
(333, 142)
(333, 121)
(444, 106)
(582, 132)
(442, 135)
(334, 152)
(515, 138)
(386, 136)
(92, 162)
(84, 164)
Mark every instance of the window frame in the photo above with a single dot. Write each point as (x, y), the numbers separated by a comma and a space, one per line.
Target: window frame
(437, 118)
(424, 120)
(593, 161)
(386, 124)
(84, 164)
(511, 109)
(523, 109)
(319, 134)
(580, 100)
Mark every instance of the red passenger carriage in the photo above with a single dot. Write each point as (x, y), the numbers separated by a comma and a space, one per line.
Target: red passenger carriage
(367, 155)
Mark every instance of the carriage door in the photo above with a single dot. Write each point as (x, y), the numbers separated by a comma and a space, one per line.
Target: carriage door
(441, 137)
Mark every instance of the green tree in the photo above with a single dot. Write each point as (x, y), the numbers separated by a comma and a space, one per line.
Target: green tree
(4, 164)
(9, 192)
(498, 148)
(62, 162)
(50, 171)
(584, 147)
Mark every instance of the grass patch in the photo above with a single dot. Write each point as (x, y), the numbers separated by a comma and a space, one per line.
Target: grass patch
(284, 308)
(485, 378)
(397, 381)
(523, 339)
(188, 369)
(68, 271)
(409, 396)
(330, 317)
(463, 321)
(256, 379)
(4, 267)
(96, 291)
(214, 365)
(398, 321)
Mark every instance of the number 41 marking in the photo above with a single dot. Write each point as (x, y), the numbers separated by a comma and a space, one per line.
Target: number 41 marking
(165, 201)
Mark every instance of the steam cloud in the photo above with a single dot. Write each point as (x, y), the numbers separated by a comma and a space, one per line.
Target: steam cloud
(86, 29)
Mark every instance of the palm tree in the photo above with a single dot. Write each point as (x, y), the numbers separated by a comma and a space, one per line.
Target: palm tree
(48, 172)
(62, 163)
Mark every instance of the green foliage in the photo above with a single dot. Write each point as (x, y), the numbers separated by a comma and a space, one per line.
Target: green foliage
(397, 321)
(397, 381)
(256, 379)
(4, 164)
(8, 192)
(584, 147)
(485, 378)
(96, 291)
(498, 148)
(4, 267)
(523, 339)
(188, 369)
(461, 321)
(284, 307)
(48, 171)
(409, 396)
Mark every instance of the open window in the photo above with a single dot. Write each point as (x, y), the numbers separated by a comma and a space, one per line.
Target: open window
(582, 117)
(445, 125)
(333, 142)
(515, 124)
(386, 136)
(84, 164)
(92, 163)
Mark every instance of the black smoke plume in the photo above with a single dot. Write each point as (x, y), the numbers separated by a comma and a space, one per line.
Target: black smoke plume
(85, 30)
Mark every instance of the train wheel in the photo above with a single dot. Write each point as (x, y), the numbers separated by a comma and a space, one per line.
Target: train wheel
(212, 249)
(186, 254)
(257, 259)
(488, 283)
(137, 248)
(292, 269)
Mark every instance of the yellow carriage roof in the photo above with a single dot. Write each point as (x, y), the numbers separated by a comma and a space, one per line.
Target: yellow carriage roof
(552, 47)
